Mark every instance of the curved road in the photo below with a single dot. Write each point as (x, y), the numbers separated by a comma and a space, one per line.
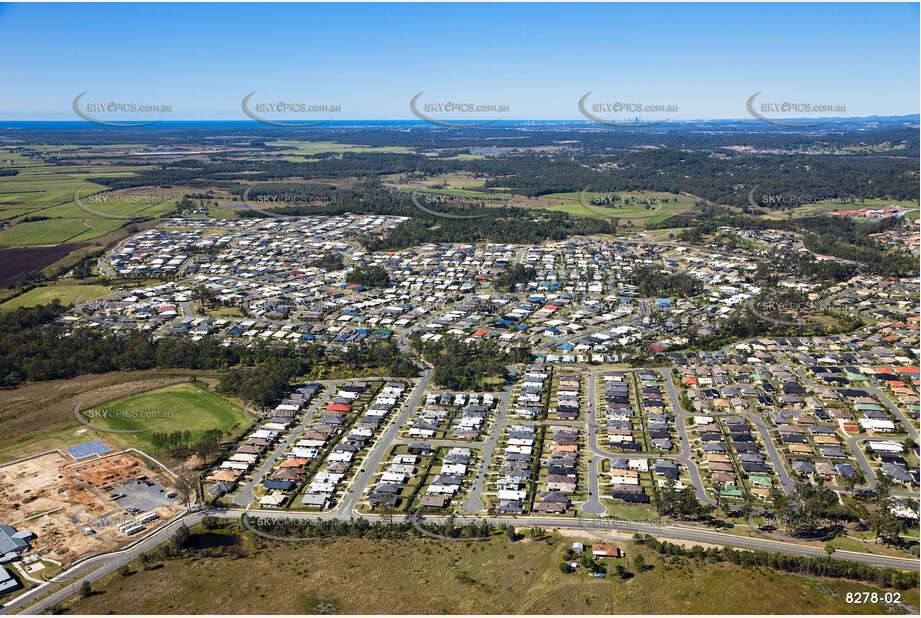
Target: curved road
(108, 563)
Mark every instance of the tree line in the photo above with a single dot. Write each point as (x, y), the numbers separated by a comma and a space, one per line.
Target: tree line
(32, 349)
(181, 443)
(802, 565)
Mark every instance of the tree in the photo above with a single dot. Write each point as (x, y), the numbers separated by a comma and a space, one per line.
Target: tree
(884, 524)
(620, 571)
(564, 567)
(144, 560)
(124, 570)
(178, 541)
(639, 563)
(370, 276)
(85, 589)
(210, 522)
(829, 550)
(849, 481)
(512, 276)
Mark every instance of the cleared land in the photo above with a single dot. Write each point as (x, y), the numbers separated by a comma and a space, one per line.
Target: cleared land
(638, 208)
(38, 417)
(46, 495)
(16, 262)
(182, 407)
(66, 294)
(345, 575)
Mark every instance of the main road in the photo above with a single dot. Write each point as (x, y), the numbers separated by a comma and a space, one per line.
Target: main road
(93, 569)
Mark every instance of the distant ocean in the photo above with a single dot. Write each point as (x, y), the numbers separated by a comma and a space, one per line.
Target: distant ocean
(737, 123)
(210, 124)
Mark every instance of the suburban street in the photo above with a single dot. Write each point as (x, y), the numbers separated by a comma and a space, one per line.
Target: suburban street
(245, 495)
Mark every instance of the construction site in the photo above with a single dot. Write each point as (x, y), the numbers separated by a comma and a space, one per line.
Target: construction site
(77, 508)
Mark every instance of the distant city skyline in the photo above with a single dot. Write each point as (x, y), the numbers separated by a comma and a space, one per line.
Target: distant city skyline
(531, 61)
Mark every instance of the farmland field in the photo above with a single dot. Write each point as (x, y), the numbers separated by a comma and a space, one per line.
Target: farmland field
(435, 577)
(66, 294)
(53, 231)
(43, 190)
(16, 262)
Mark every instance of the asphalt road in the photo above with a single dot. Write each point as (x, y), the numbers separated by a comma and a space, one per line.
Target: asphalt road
(111, 561)
(245, 495)
(474, 503)
(684, 440)
(593, 505)
(382, 445)
(683, 456)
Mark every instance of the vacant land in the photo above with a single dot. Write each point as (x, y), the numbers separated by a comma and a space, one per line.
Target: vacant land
(40, 416)
(303, 149)
(826, 207)
(182, 407)
(66, 294)
(638, 208)
(14, 263)
(362, 576)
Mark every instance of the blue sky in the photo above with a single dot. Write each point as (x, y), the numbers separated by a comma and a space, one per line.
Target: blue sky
(538, 59)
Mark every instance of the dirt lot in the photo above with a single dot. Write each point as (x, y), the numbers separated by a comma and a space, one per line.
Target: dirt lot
(15, 263)
(46, 494)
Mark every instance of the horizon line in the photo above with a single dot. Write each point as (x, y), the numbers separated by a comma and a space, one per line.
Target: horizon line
(471, 121)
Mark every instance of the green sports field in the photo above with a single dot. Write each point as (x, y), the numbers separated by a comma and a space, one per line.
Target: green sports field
(182, 407)
(669, 204)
